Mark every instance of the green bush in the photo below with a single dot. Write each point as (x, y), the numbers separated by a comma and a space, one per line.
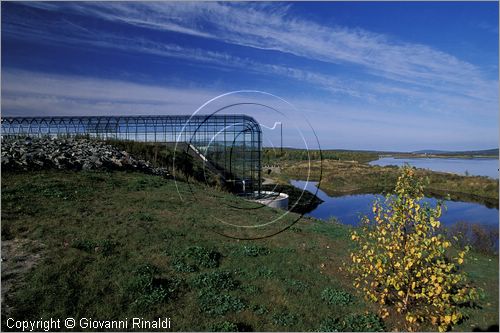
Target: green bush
(363, 323)
(215, 303)
(259, 309)
(151, 297)
(254, 251)
(353, 323)
(180, 265)
(284, 318)
(295, 286)
(336, 297)
(143, 277)
(151, 289)
(194, 258)
(330, 325)
(215, 281)
(224, 326)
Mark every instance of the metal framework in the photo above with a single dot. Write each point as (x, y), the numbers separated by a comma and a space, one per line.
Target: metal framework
(230, 143)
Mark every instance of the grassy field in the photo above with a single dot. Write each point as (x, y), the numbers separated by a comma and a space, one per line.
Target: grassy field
(343, 177)
(116, 245)
(272, 156)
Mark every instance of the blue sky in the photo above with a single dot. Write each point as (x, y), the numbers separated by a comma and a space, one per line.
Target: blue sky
(369, 75)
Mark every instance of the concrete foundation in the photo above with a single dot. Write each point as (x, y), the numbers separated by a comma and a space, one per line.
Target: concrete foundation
(273, 199)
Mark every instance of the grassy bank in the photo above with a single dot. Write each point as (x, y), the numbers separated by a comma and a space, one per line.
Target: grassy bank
(342, 177)
(116, 245)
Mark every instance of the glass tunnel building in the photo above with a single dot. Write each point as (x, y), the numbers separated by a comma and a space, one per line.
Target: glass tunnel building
(229, 145)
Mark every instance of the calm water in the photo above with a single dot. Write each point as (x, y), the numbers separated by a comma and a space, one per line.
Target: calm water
(474, 166)
(349, 208)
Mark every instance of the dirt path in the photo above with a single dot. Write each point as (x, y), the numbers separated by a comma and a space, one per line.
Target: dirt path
(18, 258)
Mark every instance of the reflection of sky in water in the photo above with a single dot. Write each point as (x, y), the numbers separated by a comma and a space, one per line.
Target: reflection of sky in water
(349, 208)
(476, 166)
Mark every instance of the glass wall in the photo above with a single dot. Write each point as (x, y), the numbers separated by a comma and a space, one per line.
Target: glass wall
(228, 144)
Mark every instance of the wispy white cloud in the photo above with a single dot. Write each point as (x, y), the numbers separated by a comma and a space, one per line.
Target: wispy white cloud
(271, 27)
(72, 33)
(477, 98)
(400, 84)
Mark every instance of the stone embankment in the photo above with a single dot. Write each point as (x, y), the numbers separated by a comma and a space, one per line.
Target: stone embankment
(70, 154)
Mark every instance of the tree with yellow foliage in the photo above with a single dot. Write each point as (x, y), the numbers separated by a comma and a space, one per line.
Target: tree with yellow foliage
(403, 262)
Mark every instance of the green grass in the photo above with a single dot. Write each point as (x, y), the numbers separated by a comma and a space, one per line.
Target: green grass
(273, 156)
(116, 245)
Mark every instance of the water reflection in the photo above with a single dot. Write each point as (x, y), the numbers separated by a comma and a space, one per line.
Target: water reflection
(349, 208)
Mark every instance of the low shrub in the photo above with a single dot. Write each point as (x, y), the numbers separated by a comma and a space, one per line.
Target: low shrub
(336, 297)
(180, 265)
(284, 318)
(254, 251)
(215, 281)
(151, 297)
(363, 323)
(150, 288)
(353, 323)
(259, 309)
(195, 258)
(215, 303)
(224, 326)
(295, 286)
(330, 324)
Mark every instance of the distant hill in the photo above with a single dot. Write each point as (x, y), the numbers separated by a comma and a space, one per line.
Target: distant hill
(485, 152)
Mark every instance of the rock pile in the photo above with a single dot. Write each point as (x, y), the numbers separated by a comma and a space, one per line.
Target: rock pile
(70, 154)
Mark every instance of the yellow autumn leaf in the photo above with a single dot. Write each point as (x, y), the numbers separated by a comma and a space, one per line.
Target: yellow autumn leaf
(401, 257)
